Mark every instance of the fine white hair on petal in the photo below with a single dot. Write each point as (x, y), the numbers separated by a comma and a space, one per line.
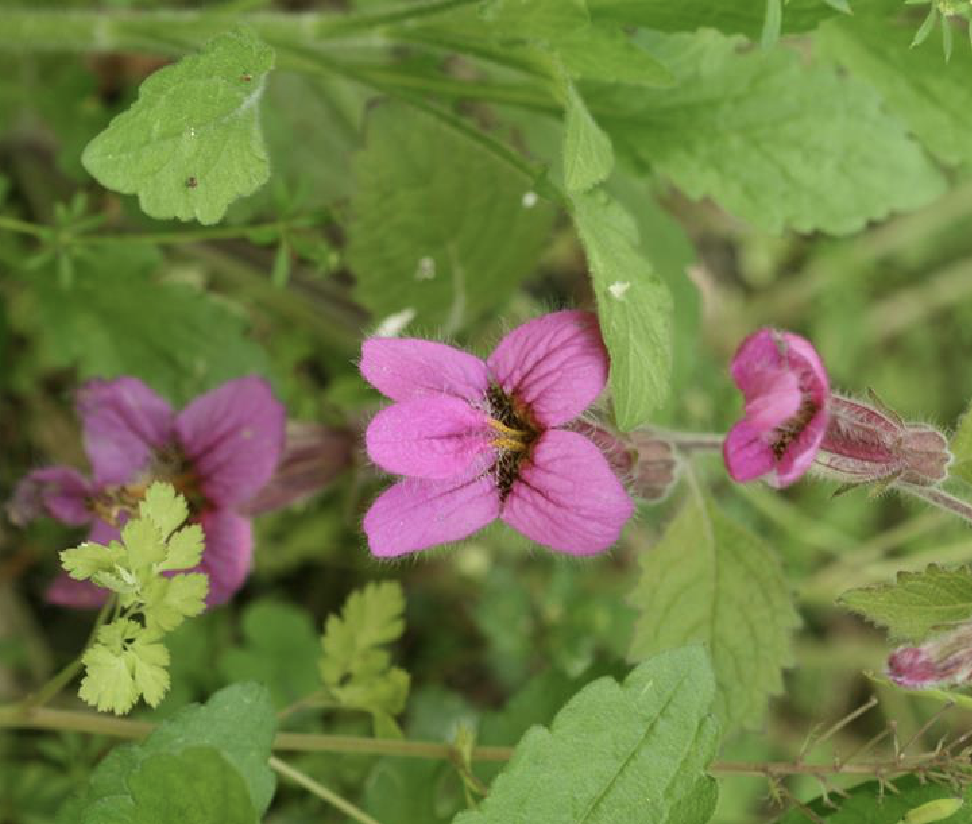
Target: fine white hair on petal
(393, 325)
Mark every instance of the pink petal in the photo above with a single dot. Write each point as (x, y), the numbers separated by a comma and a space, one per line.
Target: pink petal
(778, 398)
(758, 354)
(56, 491)
(802, 357)
(124, 422)
(567, 497)
(66, 592)
(404, 368)
(432, 437)
(746, 454)
(556, 365)
(234, 436)
(228, 556)
(415, 514)
(799, 454)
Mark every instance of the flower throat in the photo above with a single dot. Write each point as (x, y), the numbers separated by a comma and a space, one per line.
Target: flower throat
(516, 434)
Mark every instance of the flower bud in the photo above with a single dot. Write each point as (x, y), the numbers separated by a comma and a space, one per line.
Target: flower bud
(868, 442)
(646, 462)
(942, 661)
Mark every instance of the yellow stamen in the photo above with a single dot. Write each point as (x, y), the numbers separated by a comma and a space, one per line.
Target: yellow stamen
(506, 430)
(509, 443)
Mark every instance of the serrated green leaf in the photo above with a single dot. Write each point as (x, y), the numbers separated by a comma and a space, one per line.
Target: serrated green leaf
(710, 581)
(84, 561)
(588, 156)
(280, 650)
(354, 665)
(196, 786)
(144, 544)
(736, 17)
(634, 307)
(120, 319)
(169, 601)
(918, 603)
(440, 227)
(184, 549)
(191, 144)
(913, 802)
(631, 752)
(564, 29)
(238, 721)
(933, 100)
(108, 683)
(798, 146)
(147, 662)
(164, 507)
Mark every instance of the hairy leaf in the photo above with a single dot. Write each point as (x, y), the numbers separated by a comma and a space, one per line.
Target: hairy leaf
(441, 229)
(711, 581)
(932, 98)
(631, 752)
(196, 786)
(633, 304)
(191, 143)
(918, 603)
(797, 146)
(961, 448)
(588, 156)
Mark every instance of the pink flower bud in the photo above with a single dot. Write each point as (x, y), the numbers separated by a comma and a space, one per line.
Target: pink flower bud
(865, 443)
(942, 661)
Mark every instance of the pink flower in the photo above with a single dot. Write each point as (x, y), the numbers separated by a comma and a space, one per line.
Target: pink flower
(787, 393)
(481, 440)
(218, 452)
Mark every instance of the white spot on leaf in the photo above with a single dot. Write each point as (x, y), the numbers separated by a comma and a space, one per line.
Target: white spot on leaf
(425, 269)
(393, 325)
(529, 200)
(618, 288)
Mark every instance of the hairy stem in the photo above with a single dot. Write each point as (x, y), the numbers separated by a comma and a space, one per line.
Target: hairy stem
(52, 719)
(321, 791)
(940, 498)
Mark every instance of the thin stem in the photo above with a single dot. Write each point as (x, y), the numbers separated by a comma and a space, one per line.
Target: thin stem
(940, 498)
(49, 690)
(47, 718)
(692, 441)
(11, 224)
(321, 791)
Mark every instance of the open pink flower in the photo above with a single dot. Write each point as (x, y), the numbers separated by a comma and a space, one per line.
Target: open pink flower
(218, 452)
(787, 393)
(481, 440)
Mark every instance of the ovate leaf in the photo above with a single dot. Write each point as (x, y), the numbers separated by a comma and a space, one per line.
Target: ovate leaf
(196, 786)
(933, 99)
(918, 603)
(634, 307)
(439, 226)
(617, 752)
(711, 581)
(191, 143)
(588, 156)
(772, 140)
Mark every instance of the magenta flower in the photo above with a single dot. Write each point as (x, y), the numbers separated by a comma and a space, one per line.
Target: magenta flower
(787, 391)
(218, 452)
(477, 441)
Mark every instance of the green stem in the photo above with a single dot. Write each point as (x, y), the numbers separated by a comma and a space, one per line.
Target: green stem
(23, 227)
(940, 498)
(170, 31)
(691, 441)
(51, 689)
(52, 719)
(321, 791)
